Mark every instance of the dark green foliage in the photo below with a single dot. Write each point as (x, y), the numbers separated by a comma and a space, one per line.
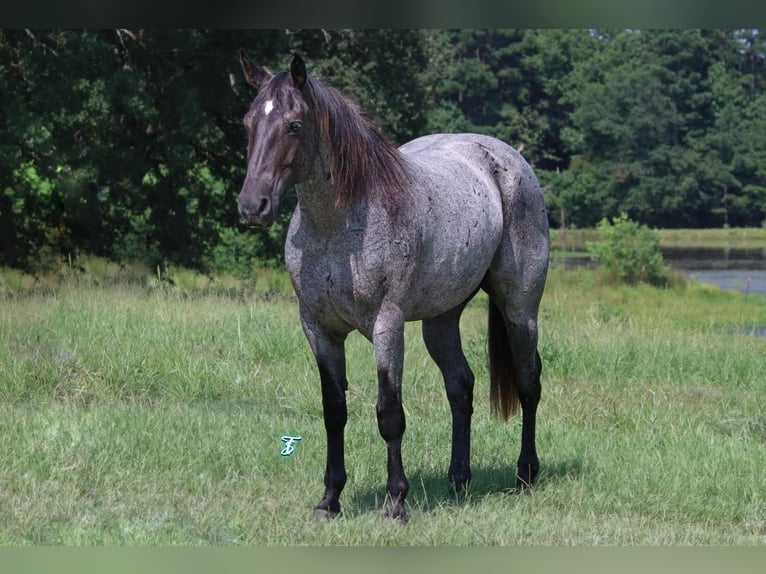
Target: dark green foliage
(508, 84)
(121, 144)
(129, 145)
(663, 128)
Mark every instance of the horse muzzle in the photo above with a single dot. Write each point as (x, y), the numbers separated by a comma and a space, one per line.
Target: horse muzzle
(259, 213)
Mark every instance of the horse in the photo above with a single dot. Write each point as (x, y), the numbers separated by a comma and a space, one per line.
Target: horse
(383, 235)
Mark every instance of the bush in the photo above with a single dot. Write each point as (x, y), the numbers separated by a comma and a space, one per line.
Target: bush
(188, 281)
(14, 281)
(237, 253)
(99, 269)
(629, 252)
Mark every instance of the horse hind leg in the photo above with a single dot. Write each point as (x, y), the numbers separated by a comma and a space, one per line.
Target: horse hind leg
(442, 338)
(515, 368)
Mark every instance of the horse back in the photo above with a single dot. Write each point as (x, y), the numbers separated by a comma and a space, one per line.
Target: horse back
(466, 167)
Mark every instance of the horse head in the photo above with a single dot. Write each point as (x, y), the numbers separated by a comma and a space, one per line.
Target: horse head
(279, 130)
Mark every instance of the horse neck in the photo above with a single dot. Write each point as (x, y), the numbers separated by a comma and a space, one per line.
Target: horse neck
(316, 200)
(317, 196)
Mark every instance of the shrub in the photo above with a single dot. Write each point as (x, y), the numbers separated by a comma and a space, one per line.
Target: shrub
(188, 281)
(629, 252)
(99, 269)
(237, 252)
(14, 281)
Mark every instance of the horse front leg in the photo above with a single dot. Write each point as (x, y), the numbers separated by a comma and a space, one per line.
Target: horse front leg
(388, 341)
(330, 355)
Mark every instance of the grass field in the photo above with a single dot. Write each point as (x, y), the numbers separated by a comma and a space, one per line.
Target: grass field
(145, 417)
(734, 237)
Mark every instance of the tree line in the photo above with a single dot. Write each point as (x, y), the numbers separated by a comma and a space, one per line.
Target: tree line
(129, 144)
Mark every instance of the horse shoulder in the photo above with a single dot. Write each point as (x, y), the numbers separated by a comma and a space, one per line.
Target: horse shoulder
(340, 277)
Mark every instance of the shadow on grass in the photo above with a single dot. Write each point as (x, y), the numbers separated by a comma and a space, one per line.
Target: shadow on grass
(430, 491)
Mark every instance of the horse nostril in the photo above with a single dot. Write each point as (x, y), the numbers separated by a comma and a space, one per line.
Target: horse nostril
(256, 211)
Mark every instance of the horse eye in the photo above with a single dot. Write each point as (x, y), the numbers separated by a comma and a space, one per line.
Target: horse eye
(295, 126)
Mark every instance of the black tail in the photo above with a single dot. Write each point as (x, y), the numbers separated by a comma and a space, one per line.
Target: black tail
(503, 396)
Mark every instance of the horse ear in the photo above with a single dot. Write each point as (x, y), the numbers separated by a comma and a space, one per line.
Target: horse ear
(255, 75)
(298, 71)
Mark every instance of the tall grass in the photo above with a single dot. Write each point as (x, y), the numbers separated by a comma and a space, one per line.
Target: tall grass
(735, 237)
(139, 415)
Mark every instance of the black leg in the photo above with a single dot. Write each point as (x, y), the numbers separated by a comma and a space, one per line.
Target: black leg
(527, 367)
(388, 340)
(442, 338)
(335, 415)
(330, 355)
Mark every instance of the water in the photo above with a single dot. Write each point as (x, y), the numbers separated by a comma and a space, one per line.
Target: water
(734, 269)
(742, 270)
(742, 280)
(699, 258)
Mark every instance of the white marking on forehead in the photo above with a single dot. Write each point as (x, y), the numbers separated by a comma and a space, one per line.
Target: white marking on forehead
(268, 107)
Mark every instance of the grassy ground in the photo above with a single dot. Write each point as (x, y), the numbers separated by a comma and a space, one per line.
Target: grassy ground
(575, 239)
(138, 416)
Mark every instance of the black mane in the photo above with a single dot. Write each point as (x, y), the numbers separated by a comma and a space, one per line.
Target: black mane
(362, 159)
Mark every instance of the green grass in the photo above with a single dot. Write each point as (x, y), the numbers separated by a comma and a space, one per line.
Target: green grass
(574, 240)
(754, 237)
(132, 415)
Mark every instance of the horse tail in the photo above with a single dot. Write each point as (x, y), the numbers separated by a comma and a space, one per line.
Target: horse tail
(503, 396)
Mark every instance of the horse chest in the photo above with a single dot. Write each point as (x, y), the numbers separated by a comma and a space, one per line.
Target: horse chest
(342, 279)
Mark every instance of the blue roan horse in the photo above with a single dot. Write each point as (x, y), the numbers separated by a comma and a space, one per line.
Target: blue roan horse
(383, 235)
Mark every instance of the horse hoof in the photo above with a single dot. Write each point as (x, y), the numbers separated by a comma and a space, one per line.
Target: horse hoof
(397, 518)
(525, 477)
(395, 514)
(325, 514)
(522, 488)
(461, 488)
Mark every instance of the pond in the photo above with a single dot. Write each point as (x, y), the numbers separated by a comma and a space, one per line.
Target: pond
(736, 269)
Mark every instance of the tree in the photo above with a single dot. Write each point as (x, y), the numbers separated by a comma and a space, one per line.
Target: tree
(507, 84)
(638, 107)
(130, 145)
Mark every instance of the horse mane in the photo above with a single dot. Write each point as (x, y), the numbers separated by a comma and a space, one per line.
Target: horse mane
(361, 158)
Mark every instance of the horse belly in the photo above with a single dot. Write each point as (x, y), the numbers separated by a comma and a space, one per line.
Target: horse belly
(459, 242)
(461, 220)
(447, 275)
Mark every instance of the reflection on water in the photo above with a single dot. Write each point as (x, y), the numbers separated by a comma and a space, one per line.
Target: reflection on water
(742, 280)
(698, 258)
(736, 269)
